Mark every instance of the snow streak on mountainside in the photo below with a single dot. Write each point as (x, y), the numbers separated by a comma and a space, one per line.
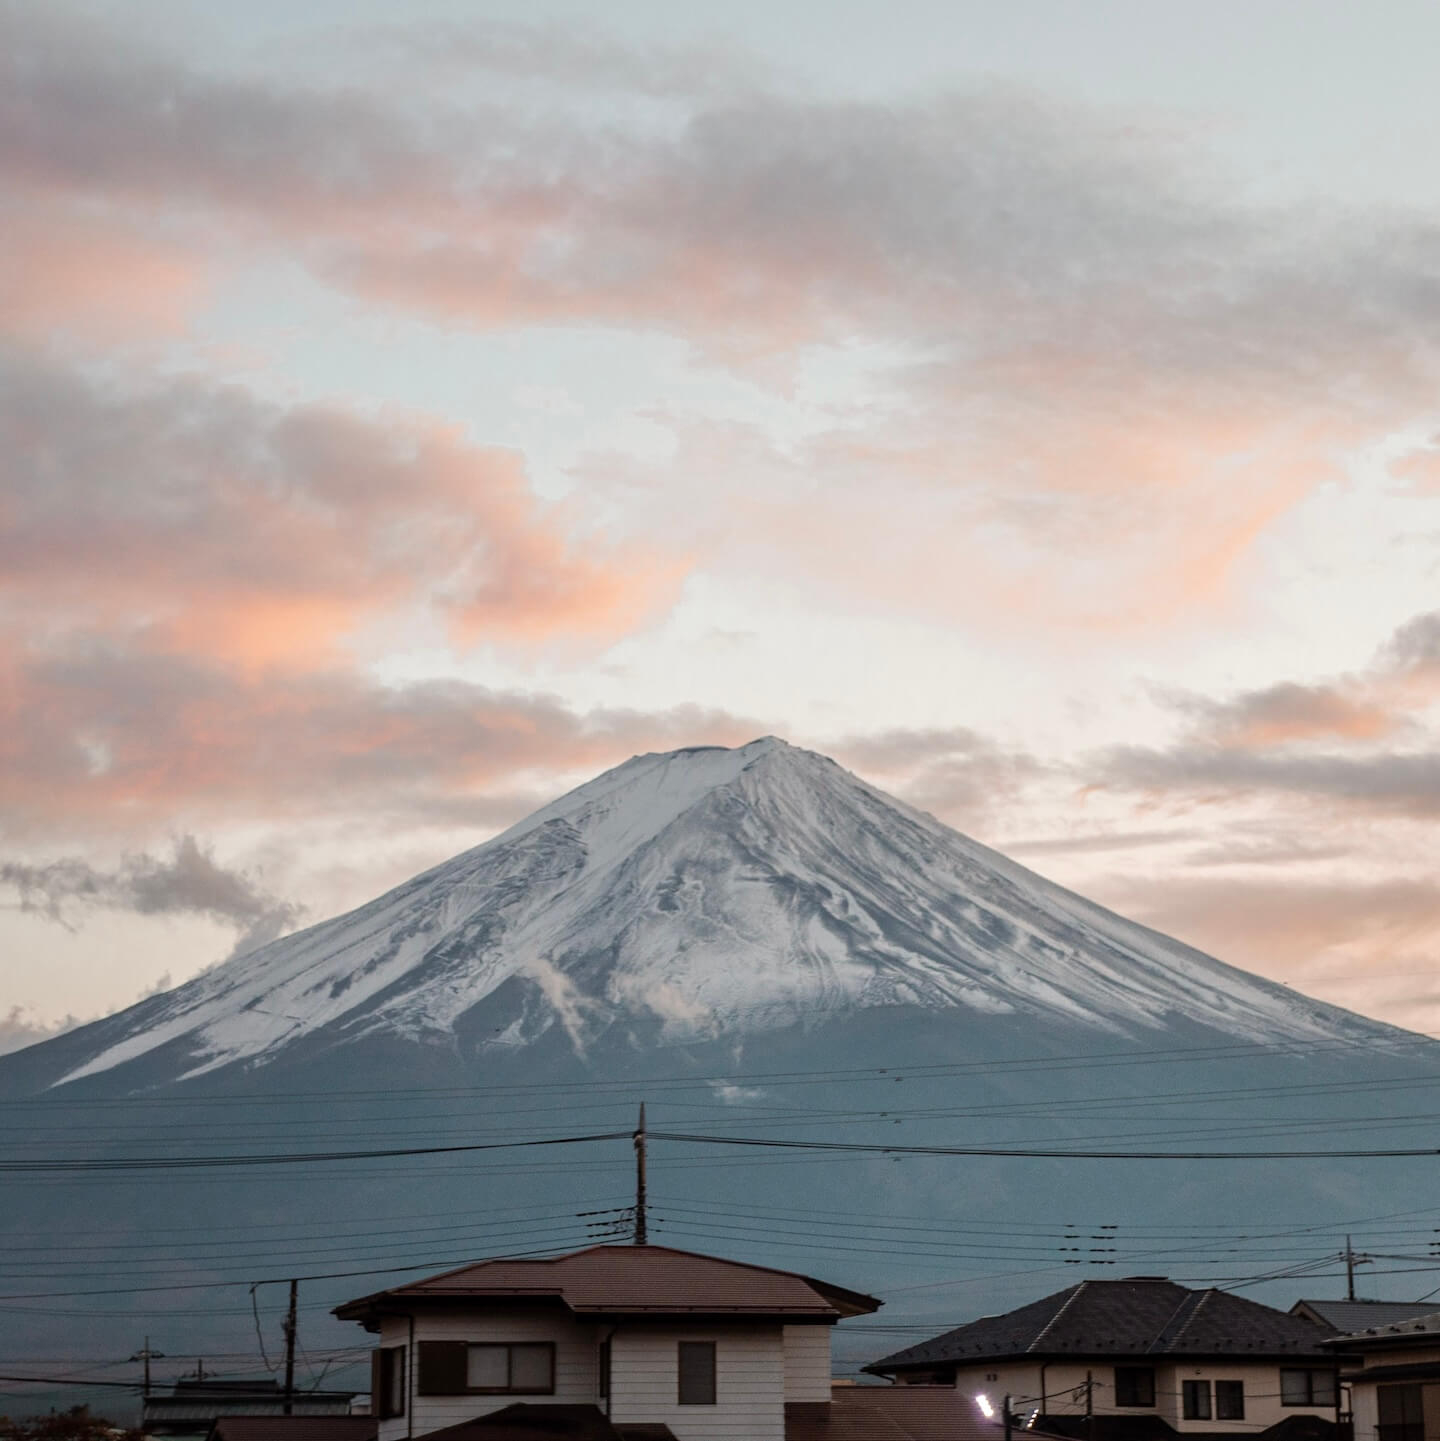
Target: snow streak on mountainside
(715, 892)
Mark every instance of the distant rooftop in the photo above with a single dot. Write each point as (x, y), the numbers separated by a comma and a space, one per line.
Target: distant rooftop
(1348, 1316)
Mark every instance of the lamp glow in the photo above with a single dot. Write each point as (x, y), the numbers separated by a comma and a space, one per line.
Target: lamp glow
(986, 1409)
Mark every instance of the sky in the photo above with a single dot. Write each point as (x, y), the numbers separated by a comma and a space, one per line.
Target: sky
(408, 411)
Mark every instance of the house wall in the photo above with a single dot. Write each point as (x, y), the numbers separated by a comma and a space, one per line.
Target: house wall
(577, 1348)
(1364, 1396)
(758, 1367)
(807, 1363)
(1063, 1386)
(749, 1381)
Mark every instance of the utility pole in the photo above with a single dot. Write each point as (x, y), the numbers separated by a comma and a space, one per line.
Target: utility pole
(147, 1356)
(1349, 1270)
(290, 1350)
(1009, 1421)
(641, 1202)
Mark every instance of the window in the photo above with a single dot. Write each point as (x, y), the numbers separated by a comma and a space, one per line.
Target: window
(1402, 1413)
(1307, 1388)
(1134, 1385)
(387, 1381)
(1229, 1400)
(1195, 1400)
(459, 1368)
(697, 1373)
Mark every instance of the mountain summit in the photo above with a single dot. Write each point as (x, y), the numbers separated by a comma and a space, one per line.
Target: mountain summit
(697, 895)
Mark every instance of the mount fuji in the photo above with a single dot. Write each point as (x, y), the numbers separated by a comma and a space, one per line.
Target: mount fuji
(763, 948)
(691, 896)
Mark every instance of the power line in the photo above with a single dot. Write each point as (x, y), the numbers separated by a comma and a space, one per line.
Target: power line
(882, 1149)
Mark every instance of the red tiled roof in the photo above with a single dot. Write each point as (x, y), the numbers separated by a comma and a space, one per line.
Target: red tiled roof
(293, 1428)
(892, 1413)
(629, 1280)
(527, 1421)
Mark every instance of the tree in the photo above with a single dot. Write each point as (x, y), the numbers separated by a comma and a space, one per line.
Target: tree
(76, 1424)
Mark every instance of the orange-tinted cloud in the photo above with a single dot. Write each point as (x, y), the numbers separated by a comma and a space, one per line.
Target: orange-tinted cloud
(101, 735)
(1367, 945)
(1103, 381)
(71, 271)
(226, 528)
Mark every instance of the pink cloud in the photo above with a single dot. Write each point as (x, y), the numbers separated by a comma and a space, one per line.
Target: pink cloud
(69, 270)
(223, 527)
(100, 735)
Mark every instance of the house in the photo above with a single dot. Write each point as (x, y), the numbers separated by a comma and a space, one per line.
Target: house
(1395, 1389)
(613, 1341)
(1137, 1360)
(191, 1408)
(1344, 1317)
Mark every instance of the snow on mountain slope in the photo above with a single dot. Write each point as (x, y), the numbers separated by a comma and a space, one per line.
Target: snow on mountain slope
(716, 891)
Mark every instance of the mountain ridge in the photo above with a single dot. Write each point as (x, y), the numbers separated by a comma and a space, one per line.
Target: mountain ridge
(694, 894)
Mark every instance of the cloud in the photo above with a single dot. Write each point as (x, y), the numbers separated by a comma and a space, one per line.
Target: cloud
(18, 1029)
(1277, 714)
(104, 733)
(190, 882)
(1281, 740)
(1369, 945)
(954, 772)
(1088, 333)
(573, 1008)
(266, 535)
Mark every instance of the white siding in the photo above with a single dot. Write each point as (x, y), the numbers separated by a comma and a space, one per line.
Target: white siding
(1064, 1384)
(576, 1363)
(807, 1363)
(749, 1381)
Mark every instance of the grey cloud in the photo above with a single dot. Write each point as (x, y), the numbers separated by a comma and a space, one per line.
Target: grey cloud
(1103, 841)
(18, 1030)
(1395, 782)
(955, 772)
(1415, 646)
(189, 882)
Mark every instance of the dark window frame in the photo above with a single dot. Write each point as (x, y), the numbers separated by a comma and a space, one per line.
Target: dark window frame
(443, 1369)
(1133, 1384)
(1230, 1400)
(1195, 1402)
(387, 1382)
(1400, 1412)
(1310, 1373)
(686, 1379)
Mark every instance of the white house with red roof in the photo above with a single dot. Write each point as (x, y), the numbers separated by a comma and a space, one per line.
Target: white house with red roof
(629, 1341)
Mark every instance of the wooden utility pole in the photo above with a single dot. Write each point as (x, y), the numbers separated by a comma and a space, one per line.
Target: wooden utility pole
(290, 1350)
(147, 1356)
(641, 1201)
(1349, 1270)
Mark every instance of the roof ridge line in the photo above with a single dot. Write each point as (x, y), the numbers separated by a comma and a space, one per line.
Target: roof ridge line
(1069, 1301)
(1160, 1344)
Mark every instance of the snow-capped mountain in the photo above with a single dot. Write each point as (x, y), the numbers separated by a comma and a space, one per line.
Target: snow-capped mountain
(757, 945)
(695, 895)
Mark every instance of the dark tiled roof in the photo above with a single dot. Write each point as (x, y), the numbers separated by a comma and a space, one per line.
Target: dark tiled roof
(1131, 1318)
(630, 1280)
(525, 1421)
(293, 1428)
(1350, 1316)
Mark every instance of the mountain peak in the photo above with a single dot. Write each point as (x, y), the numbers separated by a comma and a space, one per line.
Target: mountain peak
(699, 893)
